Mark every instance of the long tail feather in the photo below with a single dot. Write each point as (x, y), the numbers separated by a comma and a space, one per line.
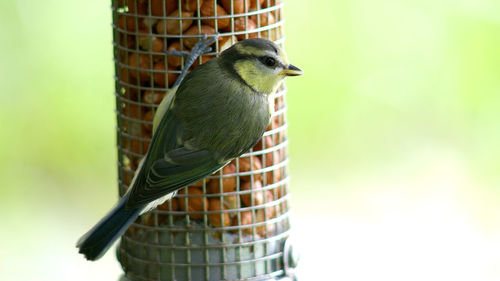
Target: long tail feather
(98, 240)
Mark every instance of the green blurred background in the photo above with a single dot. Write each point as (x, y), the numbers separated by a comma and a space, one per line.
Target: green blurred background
(394, 138)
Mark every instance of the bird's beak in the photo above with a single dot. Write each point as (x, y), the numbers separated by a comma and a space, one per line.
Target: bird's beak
(291, 70)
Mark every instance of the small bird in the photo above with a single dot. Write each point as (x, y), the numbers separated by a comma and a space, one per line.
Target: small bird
(216, 113)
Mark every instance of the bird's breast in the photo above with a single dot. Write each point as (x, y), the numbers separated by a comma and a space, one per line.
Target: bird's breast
(225, 122)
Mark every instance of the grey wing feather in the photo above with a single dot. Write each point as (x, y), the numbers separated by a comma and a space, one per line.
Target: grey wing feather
(169, 166)
(165, 177)
(185, 166)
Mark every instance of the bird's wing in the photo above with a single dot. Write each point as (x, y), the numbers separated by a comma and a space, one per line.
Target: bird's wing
(165, 104)
(169, 165)
(178, 169)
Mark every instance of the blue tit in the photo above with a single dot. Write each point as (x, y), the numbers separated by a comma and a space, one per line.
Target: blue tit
(218, 111)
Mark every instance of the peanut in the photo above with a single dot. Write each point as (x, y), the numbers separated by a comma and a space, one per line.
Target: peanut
(204, 29)
(174, 61)
(173, 26)
(228, 184)
(198, 184)
(218, 219)
(141, 62)
(194, 204)
(190, 5)
(246, 166)
(265, 20)
(239, 25)
(159, 74)
(253, 4)
(157, 7)
(256, 192)
(153, 97)
(271, 3)
(170, 205)
(207, 10)
(238, 6)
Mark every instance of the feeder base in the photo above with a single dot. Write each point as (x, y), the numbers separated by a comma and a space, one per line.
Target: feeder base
(286, 278)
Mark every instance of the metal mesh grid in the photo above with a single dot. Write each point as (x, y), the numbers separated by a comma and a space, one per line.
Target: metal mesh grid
(233, 225)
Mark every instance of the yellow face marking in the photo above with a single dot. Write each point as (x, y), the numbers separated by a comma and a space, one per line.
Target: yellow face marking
(262, 82)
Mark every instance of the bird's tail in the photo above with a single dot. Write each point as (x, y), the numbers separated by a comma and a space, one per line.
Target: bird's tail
(98, 240)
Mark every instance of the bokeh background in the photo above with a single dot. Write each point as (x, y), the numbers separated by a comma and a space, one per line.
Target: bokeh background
(394, 138)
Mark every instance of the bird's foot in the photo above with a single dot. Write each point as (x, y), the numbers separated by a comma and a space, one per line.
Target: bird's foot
(201, 47)
(177, 53)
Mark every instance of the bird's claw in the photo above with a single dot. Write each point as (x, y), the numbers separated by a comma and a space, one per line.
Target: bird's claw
(177, 53)
(201, 47)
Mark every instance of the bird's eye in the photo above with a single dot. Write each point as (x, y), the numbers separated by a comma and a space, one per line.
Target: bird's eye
(269, 61)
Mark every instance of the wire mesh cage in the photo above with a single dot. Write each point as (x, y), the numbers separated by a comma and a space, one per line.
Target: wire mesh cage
(234, 224)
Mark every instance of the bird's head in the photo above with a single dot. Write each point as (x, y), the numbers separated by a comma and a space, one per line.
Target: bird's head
(260, 63)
